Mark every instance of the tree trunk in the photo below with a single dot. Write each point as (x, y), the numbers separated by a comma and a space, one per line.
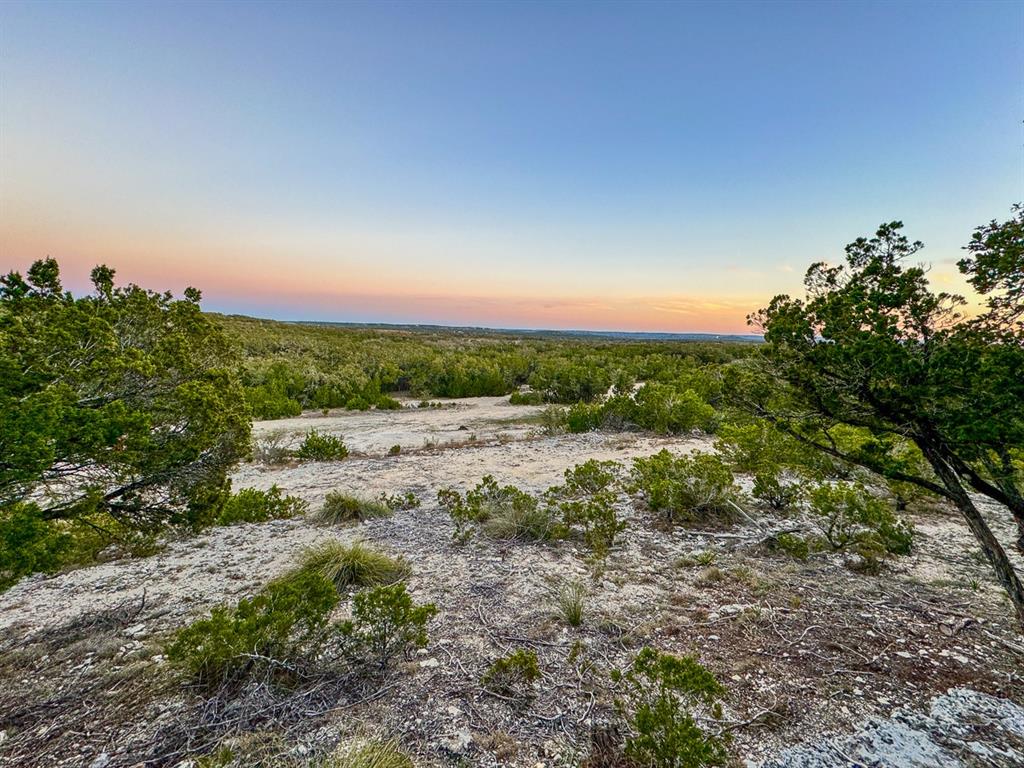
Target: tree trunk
(994, 552)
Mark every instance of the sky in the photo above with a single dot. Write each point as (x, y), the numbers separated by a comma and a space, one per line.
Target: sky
(617, 166)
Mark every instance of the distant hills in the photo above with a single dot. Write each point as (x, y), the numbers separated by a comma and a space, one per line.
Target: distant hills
(749, 338)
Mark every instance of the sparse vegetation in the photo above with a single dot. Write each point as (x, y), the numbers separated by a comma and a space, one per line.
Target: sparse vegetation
(503, 512)
(570, 602)
(587, 499)
(513, 675)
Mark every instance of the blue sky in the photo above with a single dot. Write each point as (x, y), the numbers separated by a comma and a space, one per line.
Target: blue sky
(630, 166)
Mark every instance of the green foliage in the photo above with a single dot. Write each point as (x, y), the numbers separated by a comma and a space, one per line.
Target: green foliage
(273, 631)
(584, 417)
(251, 505)
(342, 508)
(665, 409)
(847, 514)
(29, 543)
(513, 675)
(321, 446)
(795, 546)
(526, 398)
(123, 404)
(399, 501)
(503, 512)
(772, 489)
(353, 565)
(587, 499)
(385, 624)
(394, 450)
(684, 488)
(663, 698)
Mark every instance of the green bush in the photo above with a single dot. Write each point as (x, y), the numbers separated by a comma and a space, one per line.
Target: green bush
(341, 508)
(397, 502)
(584, 417)
(251, 505)
(587, 499)
(513, 675)
(353, 565)
(386, 403)
(663, 699)
(770, 488)
(320, 446)
(664, 409)
(526, 398)
(385, 623)
(394, 450)
(503, 512)
(276, 631)
(684, 487)
(847, 514)
(30, 544)
(797, 547)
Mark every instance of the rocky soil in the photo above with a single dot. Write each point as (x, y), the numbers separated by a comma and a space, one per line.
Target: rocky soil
(824, 666)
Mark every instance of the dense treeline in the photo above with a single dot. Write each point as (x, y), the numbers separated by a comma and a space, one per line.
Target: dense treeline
(289, 367)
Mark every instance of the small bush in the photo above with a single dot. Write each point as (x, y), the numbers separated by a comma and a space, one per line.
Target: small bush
(387, 403)
(526, 398)
(587, 499)
(684, 487)
(394, 450)
(321, 446)
(385, 623)
(553, 420)
(276, 629)
(796, 547)
(664, 697)
(340, 508)
(513, 675)
(251, 505)
(270, 449)
(847, 514)
(397, 502)
(374, 753)
(503, 512)
(769, 488)
(570, 601)
(583, 417)
(353, 565)
(29, 544)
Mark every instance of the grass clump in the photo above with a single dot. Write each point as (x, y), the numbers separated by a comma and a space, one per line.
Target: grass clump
(663, 699)
(341, 508)
(502, 512)
(684, 488)
(251, 505)
(353, 565)
(321, 446)
(570, 600)
(513, 675)
(372, 753)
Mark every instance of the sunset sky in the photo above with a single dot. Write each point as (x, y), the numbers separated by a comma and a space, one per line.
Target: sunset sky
(641, 166)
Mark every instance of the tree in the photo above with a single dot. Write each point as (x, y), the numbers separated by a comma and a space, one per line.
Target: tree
(122, 405)
(874, 348)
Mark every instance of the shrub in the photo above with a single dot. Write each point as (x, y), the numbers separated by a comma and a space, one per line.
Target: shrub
(394, 450)
(513, 675)
(29, 543)
(374, 753)
(553, 420)
(503, 512)
(684, 487)
(526, 398)
(387, 403)
(583, 417)
(769, 488)
(251, 505)
(847, 514)
(275, 630)
(321, 446)
(399, 501)
(663, 409)
(340, 508)
(663, 698)
(587, 499)
(353, 565)
(570, 600)
(796, 547)
(270, 449)
(385, 623)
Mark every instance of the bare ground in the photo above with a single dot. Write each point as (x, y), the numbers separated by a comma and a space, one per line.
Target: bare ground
(804, 648)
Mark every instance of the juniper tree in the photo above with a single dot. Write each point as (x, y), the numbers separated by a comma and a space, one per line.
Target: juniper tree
(872, 347)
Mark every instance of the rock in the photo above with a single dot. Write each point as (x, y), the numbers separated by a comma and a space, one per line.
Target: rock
(430, 663)
(101, 761)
